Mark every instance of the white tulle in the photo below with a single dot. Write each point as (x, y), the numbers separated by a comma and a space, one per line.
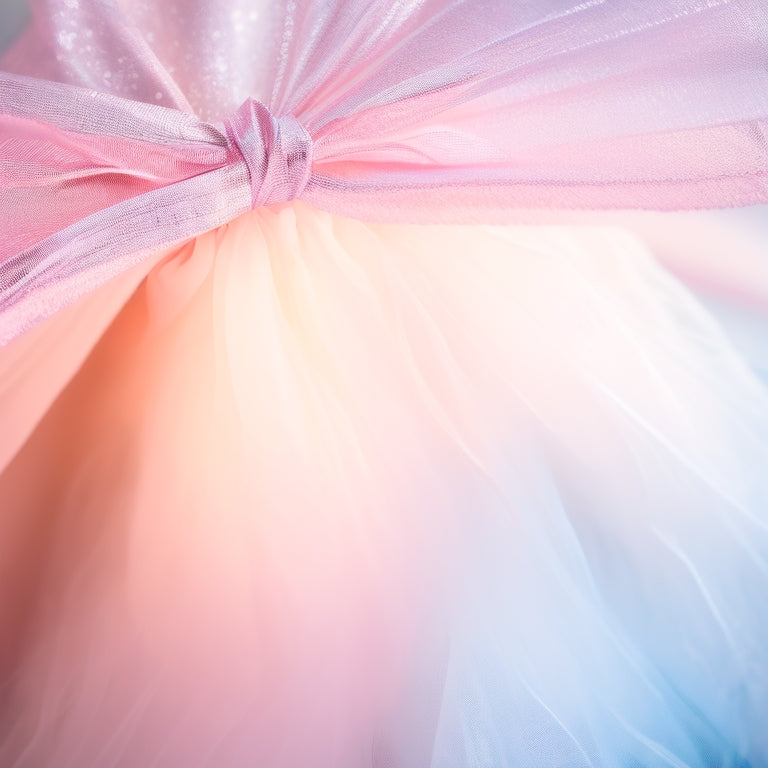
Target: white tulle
(328, 495)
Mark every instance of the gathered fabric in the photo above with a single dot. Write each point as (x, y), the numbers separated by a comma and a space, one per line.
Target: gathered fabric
(311, 454)
(415, 112)
(278, 153)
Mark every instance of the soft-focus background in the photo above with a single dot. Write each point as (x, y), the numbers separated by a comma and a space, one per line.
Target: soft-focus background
(723, 255)
(13, 16)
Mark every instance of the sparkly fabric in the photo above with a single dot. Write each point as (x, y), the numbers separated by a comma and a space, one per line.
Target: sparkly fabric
(278, 153)
(310, 490)
(415, 111)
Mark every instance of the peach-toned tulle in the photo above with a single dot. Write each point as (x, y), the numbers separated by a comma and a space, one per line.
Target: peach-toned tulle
(328, 494)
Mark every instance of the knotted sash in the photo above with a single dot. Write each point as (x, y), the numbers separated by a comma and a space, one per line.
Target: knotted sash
(437, 111)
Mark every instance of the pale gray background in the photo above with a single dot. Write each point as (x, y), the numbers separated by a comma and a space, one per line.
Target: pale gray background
(13, 16)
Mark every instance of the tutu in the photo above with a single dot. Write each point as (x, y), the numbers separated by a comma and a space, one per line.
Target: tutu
(335, 494)
(313, 490)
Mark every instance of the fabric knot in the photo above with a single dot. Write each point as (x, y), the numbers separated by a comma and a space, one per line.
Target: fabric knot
(277, 151)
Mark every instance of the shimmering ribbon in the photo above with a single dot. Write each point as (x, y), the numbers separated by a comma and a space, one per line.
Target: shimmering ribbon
(197, 176)
(278, 152)
(429, 112)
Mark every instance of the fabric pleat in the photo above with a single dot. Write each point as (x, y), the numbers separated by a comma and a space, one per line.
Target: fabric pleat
(112, 115)
(338, 494)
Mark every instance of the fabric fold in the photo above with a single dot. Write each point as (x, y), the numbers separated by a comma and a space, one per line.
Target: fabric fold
(458, 112)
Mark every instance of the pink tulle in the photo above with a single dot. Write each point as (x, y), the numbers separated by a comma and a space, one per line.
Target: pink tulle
(442, 113)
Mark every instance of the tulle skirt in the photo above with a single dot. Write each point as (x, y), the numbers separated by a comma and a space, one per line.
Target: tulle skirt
(311, 493)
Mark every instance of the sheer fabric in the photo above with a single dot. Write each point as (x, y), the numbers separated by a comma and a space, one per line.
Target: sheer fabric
(374, 477)
(417, 111)
(336, 494)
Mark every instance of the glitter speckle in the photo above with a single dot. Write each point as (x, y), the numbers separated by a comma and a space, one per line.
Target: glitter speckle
(158, 95)
(66, 40)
